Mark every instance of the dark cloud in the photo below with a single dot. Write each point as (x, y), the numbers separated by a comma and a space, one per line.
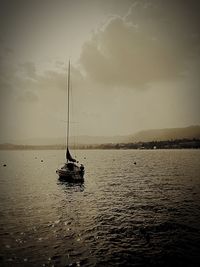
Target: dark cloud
(154, 42)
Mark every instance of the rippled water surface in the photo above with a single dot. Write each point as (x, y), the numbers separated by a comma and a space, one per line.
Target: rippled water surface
(135, 208)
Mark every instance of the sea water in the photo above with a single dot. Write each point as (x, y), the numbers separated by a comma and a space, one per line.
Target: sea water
(135, 208)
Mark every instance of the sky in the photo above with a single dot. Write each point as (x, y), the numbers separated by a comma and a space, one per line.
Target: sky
(134, 66)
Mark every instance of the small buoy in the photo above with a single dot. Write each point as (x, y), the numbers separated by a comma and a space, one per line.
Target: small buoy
(41, 160)
(4, 165)
(135, 162)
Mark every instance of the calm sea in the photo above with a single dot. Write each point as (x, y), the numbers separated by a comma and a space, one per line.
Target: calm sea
(135, 208)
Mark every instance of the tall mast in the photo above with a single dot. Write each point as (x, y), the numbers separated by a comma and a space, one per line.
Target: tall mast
(68, 88)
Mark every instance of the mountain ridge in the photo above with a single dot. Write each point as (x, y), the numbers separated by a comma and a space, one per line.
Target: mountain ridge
(189, 132)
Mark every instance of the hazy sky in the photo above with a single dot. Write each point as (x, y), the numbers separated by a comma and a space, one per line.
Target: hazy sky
(135, 65)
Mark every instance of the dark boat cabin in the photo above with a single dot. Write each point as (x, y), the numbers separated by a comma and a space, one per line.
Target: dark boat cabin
(70, 166)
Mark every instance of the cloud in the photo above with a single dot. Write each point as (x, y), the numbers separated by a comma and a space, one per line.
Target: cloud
(35, 100)
(59, 64)
(15, 82)
(152, 43)
(28, 96)
(21, 82)
(29, 69)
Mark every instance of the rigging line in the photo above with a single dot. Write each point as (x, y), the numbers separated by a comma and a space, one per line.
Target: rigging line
(74, 126)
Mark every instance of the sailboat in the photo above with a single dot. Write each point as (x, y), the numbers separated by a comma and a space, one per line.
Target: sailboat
(72, 170)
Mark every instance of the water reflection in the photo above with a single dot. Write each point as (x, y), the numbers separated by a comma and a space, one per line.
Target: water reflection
(70, 185)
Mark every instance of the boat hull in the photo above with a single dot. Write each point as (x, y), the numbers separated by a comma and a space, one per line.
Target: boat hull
(71, 175)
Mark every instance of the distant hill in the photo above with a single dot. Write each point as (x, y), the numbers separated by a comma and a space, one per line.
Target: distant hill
(166, 134)
(142, 136)
(82, 139)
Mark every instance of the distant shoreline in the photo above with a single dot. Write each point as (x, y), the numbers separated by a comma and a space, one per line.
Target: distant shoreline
(168, 144)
